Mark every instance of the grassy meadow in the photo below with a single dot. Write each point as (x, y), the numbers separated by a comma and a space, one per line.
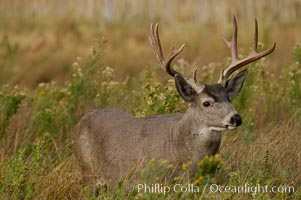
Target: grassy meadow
(59, 60)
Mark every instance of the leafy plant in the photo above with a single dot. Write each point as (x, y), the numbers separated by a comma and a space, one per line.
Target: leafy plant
(9, 104)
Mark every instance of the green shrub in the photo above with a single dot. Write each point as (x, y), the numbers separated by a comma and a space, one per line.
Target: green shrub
(9, 104)
(20, 174)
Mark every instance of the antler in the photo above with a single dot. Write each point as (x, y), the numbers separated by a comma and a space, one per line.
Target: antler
(156, 46)
(236, 63)
(194, 74)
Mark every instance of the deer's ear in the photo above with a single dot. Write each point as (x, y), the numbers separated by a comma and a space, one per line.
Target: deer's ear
(234, 85)
(184, 89)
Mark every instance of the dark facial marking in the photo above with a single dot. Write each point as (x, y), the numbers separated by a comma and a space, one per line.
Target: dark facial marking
(217, 92)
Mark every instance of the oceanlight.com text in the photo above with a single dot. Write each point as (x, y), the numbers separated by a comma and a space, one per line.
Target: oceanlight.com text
(252, 189)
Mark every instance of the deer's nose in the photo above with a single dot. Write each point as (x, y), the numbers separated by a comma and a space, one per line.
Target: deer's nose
(236, 120)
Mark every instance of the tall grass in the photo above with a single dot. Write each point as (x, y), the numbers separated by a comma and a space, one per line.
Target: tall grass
(36, 154)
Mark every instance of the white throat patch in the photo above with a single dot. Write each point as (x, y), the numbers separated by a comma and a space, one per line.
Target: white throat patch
(210, 133)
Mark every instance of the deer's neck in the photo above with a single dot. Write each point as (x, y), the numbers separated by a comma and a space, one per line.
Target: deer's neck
(194, 138)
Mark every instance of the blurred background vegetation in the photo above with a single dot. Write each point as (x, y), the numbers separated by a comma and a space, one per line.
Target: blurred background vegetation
(60, 59)
(44, 37)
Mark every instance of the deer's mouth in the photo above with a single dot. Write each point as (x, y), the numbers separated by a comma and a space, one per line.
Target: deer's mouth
(230, 127)
(220, 128)
(223, 128)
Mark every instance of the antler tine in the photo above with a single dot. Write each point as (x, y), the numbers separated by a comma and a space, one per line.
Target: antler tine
(253, 56)
(234, 41)
(157, 49)
(155, 43)
(194, 74)
(232, 45)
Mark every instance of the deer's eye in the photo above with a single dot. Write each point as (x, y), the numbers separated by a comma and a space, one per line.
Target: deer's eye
(207, 104)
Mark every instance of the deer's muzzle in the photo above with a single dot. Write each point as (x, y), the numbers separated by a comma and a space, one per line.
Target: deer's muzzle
(236, 120)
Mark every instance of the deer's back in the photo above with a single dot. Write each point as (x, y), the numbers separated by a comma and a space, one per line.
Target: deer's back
(108, 142)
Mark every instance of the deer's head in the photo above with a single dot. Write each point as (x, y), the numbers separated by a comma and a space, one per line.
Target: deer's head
(211, 102)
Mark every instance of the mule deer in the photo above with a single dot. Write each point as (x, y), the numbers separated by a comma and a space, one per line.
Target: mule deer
(107, 143)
